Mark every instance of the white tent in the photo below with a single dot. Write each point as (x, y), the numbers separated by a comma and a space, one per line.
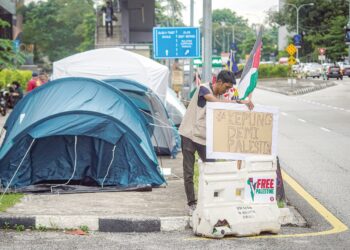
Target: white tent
(115, 62)
(175, 108)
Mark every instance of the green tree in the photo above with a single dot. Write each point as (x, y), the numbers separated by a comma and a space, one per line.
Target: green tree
(8, 57)
(168, 13)
(226, 25)
(59, 28)
(270, 40)
(322, 25)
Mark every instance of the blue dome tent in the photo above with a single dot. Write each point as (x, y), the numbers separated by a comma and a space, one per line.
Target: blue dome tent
(81, 130)
(164, 135)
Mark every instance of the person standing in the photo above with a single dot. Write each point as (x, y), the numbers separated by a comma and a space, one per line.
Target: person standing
(34, 82)
(108, 10)
(193, 127)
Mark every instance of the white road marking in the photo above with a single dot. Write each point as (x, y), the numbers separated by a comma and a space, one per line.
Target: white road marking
(322, 104)
(324, 129)
(285, 114)
(301, 120)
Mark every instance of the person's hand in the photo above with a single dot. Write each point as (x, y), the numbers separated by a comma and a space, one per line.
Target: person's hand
(250, 105)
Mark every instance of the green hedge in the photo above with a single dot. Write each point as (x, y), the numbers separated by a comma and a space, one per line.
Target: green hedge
(7, 76)
(273, 71)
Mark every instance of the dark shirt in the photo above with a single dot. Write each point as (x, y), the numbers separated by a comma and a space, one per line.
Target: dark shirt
(201, 99)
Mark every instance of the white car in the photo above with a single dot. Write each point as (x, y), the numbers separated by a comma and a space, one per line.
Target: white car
(312, 70)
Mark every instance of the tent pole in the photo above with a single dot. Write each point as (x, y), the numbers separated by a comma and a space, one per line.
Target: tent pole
(110, 164)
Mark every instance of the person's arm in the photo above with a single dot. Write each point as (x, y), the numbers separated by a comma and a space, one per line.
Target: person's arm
(211, 98)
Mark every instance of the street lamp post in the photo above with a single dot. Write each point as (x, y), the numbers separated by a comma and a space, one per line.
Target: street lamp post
(207, 34)
(297, 8)
(191, 60)
(223, 36)
(349, 27)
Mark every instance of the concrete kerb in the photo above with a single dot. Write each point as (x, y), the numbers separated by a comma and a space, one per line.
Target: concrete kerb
(299, 90)
(95, 223)
(289, 216)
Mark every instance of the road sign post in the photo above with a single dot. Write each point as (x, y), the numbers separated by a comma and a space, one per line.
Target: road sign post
(291, 49)
(176, 42)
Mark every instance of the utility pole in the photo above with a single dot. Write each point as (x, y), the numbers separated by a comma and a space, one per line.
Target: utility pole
(233, 42)
(349, 27)
(223, 37)
(233, 33)
(297, 8)
(207, 48)
(191, 60)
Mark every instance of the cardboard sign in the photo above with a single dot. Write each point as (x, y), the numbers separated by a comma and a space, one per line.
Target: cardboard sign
(234, 132)
(260, 190)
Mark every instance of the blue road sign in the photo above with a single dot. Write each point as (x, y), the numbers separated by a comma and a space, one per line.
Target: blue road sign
(233, 46)
(176, 42)
(297, 40)
(15, 45)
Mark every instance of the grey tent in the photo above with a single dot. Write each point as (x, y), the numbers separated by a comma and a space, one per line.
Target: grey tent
(164, 135)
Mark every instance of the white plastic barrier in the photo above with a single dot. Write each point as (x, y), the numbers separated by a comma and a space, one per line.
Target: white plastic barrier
(237, 202)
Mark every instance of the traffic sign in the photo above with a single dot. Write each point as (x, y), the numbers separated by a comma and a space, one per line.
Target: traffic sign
(291, 60)
(322, 51)
(233, 46)
(322, 57)
(291, 49)
(216, 62)
(176, 42)
(15, 45)
(297, 40)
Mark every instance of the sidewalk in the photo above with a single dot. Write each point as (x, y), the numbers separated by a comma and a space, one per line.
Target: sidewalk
(162, 209)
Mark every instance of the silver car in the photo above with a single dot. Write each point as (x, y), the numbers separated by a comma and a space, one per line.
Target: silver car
(312, 70)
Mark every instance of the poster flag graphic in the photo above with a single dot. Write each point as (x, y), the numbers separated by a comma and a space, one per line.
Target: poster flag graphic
(249, 76)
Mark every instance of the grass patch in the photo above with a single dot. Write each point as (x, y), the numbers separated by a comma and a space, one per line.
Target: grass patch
(9, 200)
(281, 204)
(196, 176)
(84, 228)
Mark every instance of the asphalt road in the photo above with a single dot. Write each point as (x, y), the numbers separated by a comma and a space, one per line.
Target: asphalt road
(314, 143)
(314, 148)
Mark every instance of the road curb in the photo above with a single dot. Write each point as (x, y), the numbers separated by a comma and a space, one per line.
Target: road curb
(298, 91)
(118, 224)
(13, 221)
(95, 223)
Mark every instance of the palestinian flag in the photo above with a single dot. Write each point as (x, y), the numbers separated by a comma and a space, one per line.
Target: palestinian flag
(249, 76)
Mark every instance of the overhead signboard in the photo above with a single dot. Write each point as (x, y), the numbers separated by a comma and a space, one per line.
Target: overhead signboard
(176, 42)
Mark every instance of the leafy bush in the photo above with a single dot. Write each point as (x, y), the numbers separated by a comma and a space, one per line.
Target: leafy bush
(7, 76)
(273, 71)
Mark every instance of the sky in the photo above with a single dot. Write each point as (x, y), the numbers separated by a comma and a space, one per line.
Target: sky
(253, 10)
